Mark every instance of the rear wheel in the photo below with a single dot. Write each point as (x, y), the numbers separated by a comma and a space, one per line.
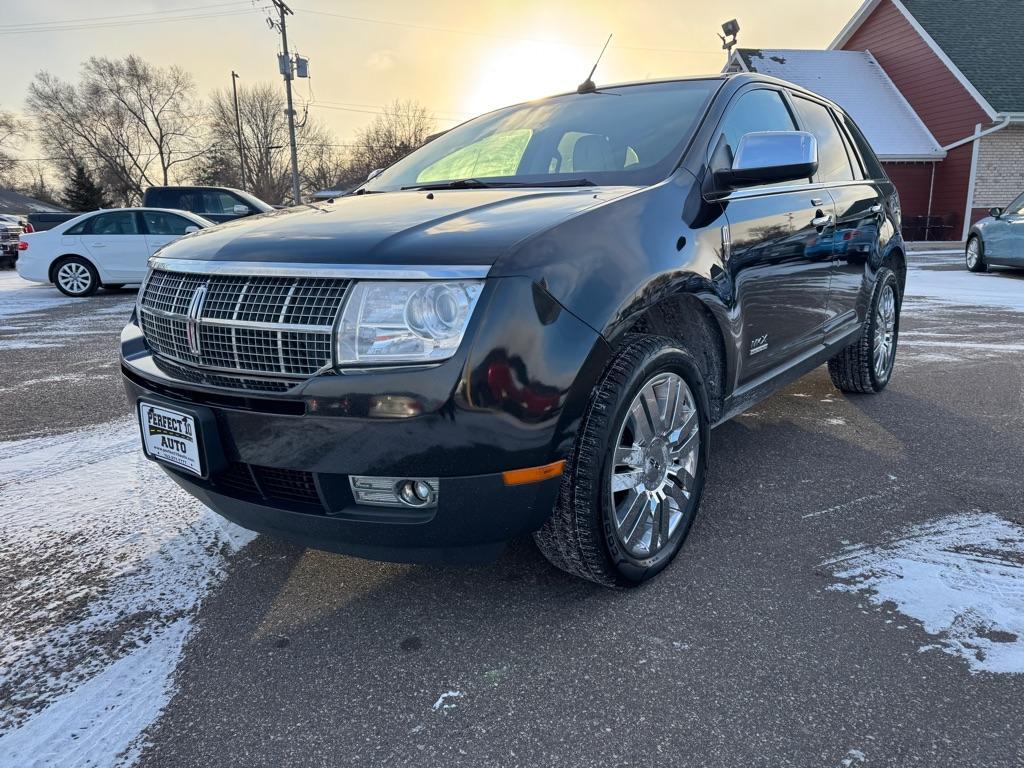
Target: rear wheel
(634, 481)
(866, 365)
(976, 255)
(74, 276)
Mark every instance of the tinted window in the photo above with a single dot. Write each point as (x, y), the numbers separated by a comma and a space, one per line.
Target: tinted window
(625, 135)
(760, 110)
(1016, 207)
(159, 223)
(872, 168)
(79, 228)
(216, 202)
(833, 163)
(114, 223)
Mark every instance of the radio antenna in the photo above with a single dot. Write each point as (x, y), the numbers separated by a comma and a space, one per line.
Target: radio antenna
(587, 86)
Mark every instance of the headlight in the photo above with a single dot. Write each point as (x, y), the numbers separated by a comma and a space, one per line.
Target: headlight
(404, 322)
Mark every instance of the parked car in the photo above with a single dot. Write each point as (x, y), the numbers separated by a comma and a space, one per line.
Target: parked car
(998, 239)
(106, 248)
(528, 325)
(10, 230)
(40, 222)
(218, 204)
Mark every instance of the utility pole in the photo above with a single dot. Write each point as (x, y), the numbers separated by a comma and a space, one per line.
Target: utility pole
(238, 127)
(285, 65)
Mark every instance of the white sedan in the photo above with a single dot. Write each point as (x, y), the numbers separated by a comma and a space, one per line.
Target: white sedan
(106, 248)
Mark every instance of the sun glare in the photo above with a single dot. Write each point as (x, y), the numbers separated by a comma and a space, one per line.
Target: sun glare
(525, 71)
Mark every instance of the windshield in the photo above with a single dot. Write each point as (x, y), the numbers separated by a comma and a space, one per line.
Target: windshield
(630, 135)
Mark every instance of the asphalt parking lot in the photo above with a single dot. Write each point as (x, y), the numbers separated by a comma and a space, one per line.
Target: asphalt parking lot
(852, 592)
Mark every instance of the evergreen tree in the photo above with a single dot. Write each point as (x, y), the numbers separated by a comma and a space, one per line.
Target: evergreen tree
(83, 193)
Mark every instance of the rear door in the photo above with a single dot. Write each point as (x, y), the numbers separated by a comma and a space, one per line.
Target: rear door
(163, 228)
(858, 206)
(117, 245)
(781, 248)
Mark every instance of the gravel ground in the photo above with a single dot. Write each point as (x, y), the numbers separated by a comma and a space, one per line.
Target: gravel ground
(850, 593)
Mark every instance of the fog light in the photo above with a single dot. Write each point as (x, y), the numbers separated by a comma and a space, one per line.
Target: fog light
(418, 492)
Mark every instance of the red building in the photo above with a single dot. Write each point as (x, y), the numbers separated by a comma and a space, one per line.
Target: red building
(957, 65)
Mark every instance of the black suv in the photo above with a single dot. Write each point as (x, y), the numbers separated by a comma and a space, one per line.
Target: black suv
(218, 204)
(529, 325)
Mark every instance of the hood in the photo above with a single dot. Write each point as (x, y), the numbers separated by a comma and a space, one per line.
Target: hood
(456, 227)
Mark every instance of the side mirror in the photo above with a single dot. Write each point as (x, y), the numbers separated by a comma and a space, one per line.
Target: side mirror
(768, 157)
(241, 210)
(191, 228)
(995, 213)
(374, 174)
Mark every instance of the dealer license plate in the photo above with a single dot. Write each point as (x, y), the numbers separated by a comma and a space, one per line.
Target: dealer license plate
(170, 437)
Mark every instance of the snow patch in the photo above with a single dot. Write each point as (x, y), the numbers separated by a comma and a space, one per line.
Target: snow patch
(945, 281)
(441, 703)
(961, 576)
(105, 563)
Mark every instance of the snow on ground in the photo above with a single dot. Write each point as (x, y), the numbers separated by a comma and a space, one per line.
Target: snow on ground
(943, 280)
(961, 576)
(104, 562)
(18, 296)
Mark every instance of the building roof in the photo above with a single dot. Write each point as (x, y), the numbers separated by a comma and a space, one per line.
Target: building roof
(15, 202)
(979, 40)
(857, 83)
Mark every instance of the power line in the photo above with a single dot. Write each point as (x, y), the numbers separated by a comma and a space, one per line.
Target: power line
(138, 22)
(480, 33)
(58, 22)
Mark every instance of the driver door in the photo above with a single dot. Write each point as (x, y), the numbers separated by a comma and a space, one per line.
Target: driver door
(1004, 237)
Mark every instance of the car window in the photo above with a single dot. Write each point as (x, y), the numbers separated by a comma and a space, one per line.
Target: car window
(872, 168)
(759, 110)
(80, 228)
(1016, 208)
(496, 155)
(114, 223)
(833, 162)
(160, 223)
(218, 203)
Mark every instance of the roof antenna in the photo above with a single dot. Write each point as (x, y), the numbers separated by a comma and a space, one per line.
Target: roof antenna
(587, 86)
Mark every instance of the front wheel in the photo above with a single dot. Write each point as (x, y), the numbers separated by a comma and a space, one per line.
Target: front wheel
(976, 255)
(76, 277)
(634, 480)
(866, 365)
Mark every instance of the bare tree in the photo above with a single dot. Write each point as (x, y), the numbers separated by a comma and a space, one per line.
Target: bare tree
(402, 127)
(133, 123)
(11, 133)
(261, 110)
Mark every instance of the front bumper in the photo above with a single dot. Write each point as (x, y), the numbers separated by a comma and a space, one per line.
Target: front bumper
(511, 399)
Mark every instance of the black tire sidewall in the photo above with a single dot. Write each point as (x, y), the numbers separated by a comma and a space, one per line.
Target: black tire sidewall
(93, 276)
(980, 266)
(885, 278)
(630, 570)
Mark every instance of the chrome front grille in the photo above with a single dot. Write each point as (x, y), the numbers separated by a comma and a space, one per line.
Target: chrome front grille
(274, 326)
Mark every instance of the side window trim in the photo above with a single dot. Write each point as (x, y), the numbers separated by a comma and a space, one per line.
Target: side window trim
(839, 129)
(851, 147)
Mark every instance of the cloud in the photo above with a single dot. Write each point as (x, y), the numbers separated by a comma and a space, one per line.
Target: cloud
(382, 61)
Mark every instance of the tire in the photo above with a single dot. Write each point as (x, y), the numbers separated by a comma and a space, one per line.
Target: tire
(75, 277)
(588, 535)
(856, 369)
(974, 254)
(113, 286)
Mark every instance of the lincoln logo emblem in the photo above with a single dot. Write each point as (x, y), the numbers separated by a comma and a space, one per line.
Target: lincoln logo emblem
(195, 312)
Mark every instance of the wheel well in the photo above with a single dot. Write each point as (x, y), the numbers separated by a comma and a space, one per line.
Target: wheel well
(686, 320)
(897, 262)
(61, 259)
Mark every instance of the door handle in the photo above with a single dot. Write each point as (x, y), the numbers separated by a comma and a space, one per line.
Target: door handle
(816, 201)
(821, 220)
(97, 245)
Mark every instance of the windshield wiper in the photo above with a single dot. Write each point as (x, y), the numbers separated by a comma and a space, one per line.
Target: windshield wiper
(456, 184)
(478, 184)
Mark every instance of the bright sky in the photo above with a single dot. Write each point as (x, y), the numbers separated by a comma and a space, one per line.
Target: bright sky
(456, 57)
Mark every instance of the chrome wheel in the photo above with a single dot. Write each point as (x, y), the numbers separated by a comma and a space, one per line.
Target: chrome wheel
(654, 465)
(885, 333)
(74, 277)
(973, 253)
